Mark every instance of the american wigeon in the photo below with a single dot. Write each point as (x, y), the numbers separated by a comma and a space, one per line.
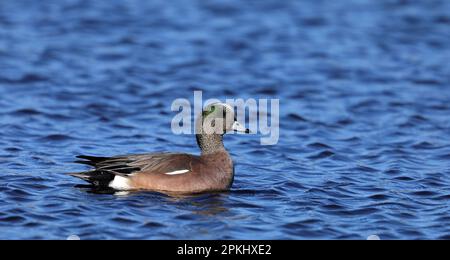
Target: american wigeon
(213, 170)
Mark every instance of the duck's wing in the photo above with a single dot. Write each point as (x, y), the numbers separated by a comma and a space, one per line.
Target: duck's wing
(107, 168)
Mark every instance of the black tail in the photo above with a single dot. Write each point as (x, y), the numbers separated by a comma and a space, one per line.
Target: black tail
(91, 160)
(106, 168)
(96, 178)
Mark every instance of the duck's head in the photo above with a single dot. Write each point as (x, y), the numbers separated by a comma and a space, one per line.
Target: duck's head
(219, 118)
(216, 120)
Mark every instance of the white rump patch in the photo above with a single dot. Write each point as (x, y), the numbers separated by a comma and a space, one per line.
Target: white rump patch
(119, 183)
(177, 172)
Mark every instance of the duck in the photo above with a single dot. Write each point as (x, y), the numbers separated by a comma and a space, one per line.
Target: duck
(167, 172)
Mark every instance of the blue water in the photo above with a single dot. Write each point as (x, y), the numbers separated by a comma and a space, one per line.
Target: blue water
(365, 116)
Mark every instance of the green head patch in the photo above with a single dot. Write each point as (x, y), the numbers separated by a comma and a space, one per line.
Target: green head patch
(206, 113)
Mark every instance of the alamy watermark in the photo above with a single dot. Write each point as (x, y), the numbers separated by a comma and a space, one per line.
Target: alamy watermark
(259, 112)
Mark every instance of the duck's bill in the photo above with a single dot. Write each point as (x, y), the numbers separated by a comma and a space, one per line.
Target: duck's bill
(240, 128)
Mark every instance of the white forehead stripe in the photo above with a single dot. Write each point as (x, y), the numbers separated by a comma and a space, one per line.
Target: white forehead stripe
(177, 172)
(228, 106)
(225, 105)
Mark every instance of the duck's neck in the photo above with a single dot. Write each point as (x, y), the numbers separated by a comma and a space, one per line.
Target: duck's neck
(210, 143)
